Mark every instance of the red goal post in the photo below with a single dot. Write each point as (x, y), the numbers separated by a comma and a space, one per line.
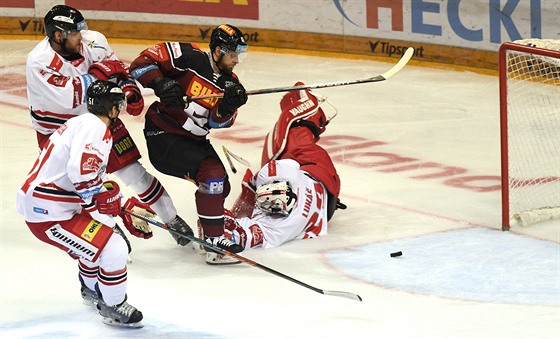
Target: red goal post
(530, 131)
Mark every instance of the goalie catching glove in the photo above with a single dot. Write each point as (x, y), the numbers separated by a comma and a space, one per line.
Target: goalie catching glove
(137, 227)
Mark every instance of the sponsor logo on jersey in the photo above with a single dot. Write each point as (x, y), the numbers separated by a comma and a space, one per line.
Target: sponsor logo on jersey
(90, 147)
(91, 163)
(40, 210)
(123, 145)
(198, 88)
(88, 194)
(94, 44)
(88, 184)
(91, 230)
(215, 186)
(175, 50)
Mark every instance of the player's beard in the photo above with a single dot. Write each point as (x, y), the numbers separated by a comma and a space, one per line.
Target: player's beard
(224, 67)
(73, 49)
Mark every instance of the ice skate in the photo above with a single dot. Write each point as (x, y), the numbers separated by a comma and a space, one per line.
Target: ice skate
(89, 296)
(122, 315)
(213, 258)
(180, 226)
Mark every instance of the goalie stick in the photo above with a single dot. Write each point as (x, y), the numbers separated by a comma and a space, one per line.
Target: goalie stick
(382, 77)
(244, 259)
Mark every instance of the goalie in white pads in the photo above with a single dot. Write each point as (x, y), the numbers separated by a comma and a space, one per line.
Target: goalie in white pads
(69, 176)
(296, 191)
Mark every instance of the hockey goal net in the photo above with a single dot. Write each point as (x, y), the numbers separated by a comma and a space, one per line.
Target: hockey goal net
(530, 131)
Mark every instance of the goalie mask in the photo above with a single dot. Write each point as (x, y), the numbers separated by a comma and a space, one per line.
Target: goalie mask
(275, 198)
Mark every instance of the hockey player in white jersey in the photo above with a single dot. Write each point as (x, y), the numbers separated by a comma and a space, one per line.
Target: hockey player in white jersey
(296, 191)
(59, 70)
(67, 183)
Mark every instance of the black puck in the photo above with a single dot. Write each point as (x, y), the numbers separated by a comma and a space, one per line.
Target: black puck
(396, 254)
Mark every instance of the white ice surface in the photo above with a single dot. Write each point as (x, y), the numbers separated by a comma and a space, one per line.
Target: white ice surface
(459, 276)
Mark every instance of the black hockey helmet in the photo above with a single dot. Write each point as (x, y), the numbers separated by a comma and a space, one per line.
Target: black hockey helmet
(65, 19)
(229, 38)
(103, 95)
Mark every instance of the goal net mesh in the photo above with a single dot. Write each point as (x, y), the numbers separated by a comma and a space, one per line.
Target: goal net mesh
(530, 131)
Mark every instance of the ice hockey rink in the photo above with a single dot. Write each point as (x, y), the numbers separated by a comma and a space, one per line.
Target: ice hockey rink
(418, 156)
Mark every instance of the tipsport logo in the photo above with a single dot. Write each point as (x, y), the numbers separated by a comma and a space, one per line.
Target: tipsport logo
(385, 47)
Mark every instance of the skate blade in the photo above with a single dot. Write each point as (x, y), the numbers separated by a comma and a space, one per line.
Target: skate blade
(112, 322)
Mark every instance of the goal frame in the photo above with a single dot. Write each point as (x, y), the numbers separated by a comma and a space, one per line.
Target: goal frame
(509, 46)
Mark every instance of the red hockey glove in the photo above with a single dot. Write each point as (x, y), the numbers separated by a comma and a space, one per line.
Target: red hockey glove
(230, 222)
(234, 97)
(104, 70)
(134, 100)
(109, 201)
(137, 227)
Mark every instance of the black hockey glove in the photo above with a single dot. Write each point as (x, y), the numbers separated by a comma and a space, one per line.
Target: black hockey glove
(170, 93)
(234, 97)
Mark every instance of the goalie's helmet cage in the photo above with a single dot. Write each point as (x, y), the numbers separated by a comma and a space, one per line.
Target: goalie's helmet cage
(65, 19)
(228, 38)
(275, 198)
(103, 95)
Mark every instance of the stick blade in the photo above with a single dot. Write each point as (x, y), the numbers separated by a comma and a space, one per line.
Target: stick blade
(342, 294)
(402, 62)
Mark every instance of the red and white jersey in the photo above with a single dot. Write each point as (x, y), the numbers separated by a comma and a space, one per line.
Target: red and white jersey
(308, 218)
(56, 87)
(69, 171)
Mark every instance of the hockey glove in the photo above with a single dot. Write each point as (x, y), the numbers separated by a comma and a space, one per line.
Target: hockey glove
(137, 227)
(109, 201)
(170, 93)
(105, 70)
(234, 97)
(134, 100)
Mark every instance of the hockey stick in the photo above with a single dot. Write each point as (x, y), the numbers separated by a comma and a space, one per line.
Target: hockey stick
(233, 169)
(244, 259)
(236, 157)
(382, 77)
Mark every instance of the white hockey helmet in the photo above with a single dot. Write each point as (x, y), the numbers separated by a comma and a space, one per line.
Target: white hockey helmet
(275, 198)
